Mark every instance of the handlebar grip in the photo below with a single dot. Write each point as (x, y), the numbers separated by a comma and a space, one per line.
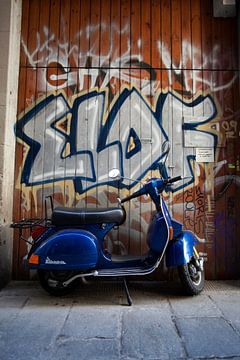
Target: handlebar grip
(172, 180)
(134, 195)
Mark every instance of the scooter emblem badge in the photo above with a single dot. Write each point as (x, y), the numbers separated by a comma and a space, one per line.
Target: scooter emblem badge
(55, 262)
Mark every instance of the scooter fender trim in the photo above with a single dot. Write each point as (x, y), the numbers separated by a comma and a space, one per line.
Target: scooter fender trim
(68, 249)
(180, 250)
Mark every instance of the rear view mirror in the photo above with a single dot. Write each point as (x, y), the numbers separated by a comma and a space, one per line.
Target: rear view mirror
(114, 174)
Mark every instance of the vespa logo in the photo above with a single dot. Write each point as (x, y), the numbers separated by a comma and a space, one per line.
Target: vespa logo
(54, 262)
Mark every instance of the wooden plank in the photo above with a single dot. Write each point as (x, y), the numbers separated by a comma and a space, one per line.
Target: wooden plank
(137, 47)
(230, 205)
(64, 50)
(207, 60)
(94, 63)
(155, 31)
(176, 39)
(84, 72)
(74, 38)
(146, 77)
(54, 31)
(226, 59)
(18, 169)
(145, 32)
(125, 33)
(206, 26)
(105, 51)
(234, 259)
(32, 43)
(24, 33)
(196, 34)
(166, 44)
(104, 81)
(187, 49)
(27, 202)
(115, 27)
(43, 30)
(41, 85)
(54, 24)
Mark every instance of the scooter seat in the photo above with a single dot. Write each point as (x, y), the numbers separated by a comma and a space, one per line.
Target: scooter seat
(63, 216)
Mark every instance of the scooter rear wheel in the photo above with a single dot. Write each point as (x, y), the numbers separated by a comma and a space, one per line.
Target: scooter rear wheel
(191, 278)
(51, 281)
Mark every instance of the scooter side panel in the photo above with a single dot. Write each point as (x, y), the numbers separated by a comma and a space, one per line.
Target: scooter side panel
(68, 249)
(180, 250)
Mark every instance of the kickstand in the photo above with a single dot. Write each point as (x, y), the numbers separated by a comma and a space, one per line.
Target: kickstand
(129, 299)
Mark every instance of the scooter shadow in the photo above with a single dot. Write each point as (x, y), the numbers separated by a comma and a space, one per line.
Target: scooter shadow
(108, 292)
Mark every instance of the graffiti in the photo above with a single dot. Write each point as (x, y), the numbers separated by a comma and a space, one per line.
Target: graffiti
(230, 129)
(200, 211)
(66, 65)
(189, 209)
(210, 228)
(82, 142)
(194, 210)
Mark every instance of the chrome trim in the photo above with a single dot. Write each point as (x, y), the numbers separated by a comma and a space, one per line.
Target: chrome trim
(93, 273)
(127, 271)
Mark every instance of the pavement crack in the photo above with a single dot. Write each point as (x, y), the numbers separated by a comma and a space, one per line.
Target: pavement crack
(63, 339)
(121, 334)
(25, 302)
(224, 317)
(58, 338)
(173, 317)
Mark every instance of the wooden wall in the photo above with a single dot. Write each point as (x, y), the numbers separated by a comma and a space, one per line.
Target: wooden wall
(102, 84)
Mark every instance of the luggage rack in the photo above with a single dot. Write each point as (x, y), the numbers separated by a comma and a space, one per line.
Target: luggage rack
(29, 224)
(32, 223)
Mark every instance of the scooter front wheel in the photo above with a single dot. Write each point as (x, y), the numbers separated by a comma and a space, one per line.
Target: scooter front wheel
(192, 277)
(52, 282)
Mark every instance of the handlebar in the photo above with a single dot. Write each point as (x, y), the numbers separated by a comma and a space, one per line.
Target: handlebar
(159, 184)
(138, 193)
(172, 180)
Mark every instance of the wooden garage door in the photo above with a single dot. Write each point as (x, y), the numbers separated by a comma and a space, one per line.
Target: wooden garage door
(103, 83)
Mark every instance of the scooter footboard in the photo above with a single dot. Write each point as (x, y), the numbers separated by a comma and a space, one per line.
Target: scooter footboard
(180, 250)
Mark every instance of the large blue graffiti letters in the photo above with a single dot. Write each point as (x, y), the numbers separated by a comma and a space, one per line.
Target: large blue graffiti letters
(82, 143)
(181, 120)
(45, 161)
(87, 117)
(132, 119)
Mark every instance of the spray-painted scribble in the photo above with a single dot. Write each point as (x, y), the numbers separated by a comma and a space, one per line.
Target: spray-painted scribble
(103, 68)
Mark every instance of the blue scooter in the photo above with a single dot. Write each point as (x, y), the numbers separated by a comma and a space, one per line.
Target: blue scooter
(70, 245)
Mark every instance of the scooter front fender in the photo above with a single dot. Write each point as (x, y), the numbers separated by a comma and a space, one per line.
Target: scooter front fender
(180, 250)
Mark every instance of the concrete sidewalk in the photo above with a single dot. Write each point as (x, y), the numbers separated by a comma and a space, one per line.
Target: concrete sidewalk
(92, 324)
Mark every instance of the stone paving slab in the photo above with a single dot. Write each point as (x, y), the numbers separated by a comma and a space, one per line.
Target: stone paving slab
(75, 348)
(208, 337)
(198, 306)
(91, 324)
(32, 330)
(150, 333)
(229, 306)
